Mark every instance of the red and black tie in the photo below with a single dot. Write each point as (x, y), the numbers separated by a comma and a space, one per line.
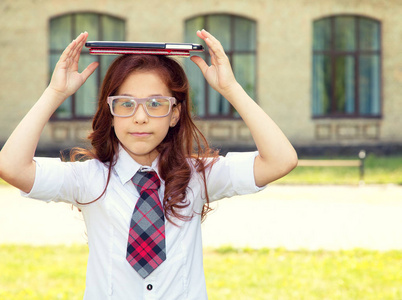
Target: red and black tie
(146, 248)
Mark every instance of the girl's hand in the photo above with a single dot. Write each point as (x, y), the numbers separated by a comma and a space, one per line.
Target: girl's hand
(219, 75)
(65, 79)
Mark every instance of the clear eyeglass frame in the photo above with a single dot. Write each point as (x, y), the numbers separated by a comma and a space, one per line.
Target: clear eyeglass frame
(141, 101)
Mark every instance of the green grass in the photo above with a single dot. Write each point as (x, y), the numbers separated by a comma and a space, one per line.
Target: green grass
(281, 274)
(378, 170)
(50, 272)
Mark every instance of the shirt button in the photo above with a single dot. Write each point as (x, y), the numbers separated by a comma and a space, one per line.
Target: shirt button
(149, 287)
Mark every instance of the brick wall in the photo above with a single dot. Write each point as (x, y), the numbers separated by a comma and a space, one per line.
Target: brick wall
(284, 38)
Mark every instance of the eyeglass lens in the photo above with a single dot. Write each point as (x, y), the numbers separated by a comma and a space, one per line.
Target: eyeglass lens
(155, 107)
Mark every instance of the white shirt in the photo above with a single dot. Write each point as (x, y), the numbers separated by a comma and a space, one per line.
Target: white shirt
(109, 275)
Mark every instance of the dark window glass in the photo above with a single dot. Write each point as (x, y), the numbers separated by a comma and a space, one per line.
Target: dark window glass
(346, 67)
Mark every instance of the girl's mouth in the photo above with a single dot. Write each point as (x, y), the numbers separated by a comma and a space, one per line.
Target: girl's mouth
(140, 134)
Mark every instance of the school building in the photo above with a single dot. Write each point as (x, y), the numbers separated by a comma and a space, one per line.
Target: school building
(329, 72)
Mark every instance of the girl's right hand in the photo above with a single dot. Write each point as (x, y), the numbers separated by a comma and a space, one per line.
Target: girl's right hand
(65, 79)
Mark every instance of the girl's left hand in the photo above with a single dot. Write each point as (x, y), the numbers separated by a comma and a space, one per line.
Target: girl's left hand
(219, 75)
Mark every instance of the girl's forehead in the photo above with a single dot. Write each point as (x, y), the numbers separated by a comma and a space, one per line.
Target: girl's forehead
(144, 82)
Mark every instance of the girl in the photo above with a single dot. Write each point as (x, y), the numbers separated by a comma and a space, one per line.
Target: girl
(143, 124)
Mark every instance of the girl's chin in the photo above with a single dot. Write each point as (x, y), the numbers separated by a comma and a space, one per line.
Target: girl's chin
(142, 157)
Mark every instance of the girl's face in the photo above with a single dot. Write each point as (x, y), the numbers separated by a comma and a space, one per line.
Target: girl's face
(140, 134)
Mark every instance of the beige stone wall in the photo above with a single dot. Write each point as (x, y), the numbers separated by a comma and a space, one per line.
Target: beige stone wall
(284, 37)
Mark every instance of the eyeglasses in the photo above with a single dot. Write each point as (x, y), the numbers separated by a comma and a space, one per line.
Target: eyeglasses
(126, 106)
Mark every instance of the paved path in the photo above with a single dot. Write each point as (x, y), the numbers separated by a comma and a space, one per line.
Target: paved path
(293, 217)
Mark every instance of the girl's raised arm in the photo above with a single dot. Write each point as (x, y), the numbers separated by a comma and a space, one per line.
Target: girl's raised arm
(277, 156)
(16, 158)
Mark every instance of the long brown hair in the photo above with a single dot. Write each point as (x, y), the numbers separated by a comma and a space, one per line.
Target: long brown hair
(182, 141)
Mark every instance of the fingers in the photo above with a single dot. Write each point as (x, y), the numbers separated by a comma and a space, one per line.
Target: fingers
(68, 51)
(89, 70)
(219, 74)
(200, 63)
(80, 41)
(73, 50)
(214, 46)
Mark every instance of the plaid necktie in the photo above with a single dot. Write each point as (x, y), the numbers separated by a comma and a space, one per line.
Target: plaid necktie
(146, 248)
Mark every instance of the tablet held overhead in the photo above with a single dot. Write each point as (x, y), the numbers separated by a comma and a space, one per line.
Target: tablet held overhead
(171, 49)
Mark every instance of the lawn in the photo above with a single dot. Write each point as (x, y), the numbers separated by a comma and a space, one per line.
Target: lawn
(378, 170)
(50, 272)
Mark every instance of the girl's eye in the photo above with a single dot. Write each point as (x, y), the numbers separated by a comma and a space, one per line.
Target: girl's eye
(153, 103)
(127, 104)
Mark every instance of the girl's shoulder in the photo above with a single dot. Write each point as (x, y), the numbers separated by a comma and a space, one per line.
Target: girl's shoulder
(202, 164)
(89, 168)
(232, 160)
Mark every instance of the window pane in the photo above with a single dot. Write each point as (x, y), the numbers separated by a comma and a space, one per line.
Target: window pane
(345, 33)
(369, 31)
(197, 87)
(217, 104)
(321, 84)
(195, 77)
(89, 23)
(112, 29)
(244, 70)
(335, 91)
(245, 34)
(369, 85)
(191, 28)
(60, 32)
(322, 34)
(105, 61)
(85, 97)
(220, 26)
(345, 84)
(64, 110)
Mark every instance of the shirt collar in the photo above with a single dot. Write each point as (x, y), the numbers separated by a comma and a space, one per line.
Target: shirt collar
(126, 166)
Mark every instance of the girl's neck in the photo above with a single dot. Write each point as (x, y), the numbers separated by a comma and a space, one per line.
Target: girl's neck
(143, 159)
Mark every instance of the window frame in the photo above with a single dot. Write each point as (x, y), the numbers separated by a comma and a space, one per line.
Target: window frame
(85, 52)
(357, 53)
(230, 54)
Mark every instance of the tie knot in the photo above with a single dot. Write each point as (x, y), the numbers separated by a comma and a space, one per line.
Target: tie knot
(146, 181)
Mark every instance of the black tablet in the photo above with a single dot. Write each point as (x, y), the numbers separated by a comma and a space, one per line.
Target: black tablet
(114, 47)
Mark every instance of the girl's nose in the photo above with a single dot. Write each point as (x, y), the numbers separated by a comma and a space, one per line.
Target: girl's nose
(140, 116)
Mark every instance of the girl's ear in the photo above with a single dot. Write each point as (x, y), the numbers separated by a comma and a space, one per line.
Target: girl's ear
(175, 115)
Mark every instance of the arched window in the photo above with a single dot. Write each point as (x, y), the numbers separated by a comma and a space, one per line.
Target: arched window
(238, 37)
(65, 28)
(346, 67)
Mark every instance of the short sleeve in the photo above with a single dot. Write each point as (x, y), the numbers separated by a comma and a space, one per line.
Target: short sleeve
(71, 182)
(232, 175)
(48, 179)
